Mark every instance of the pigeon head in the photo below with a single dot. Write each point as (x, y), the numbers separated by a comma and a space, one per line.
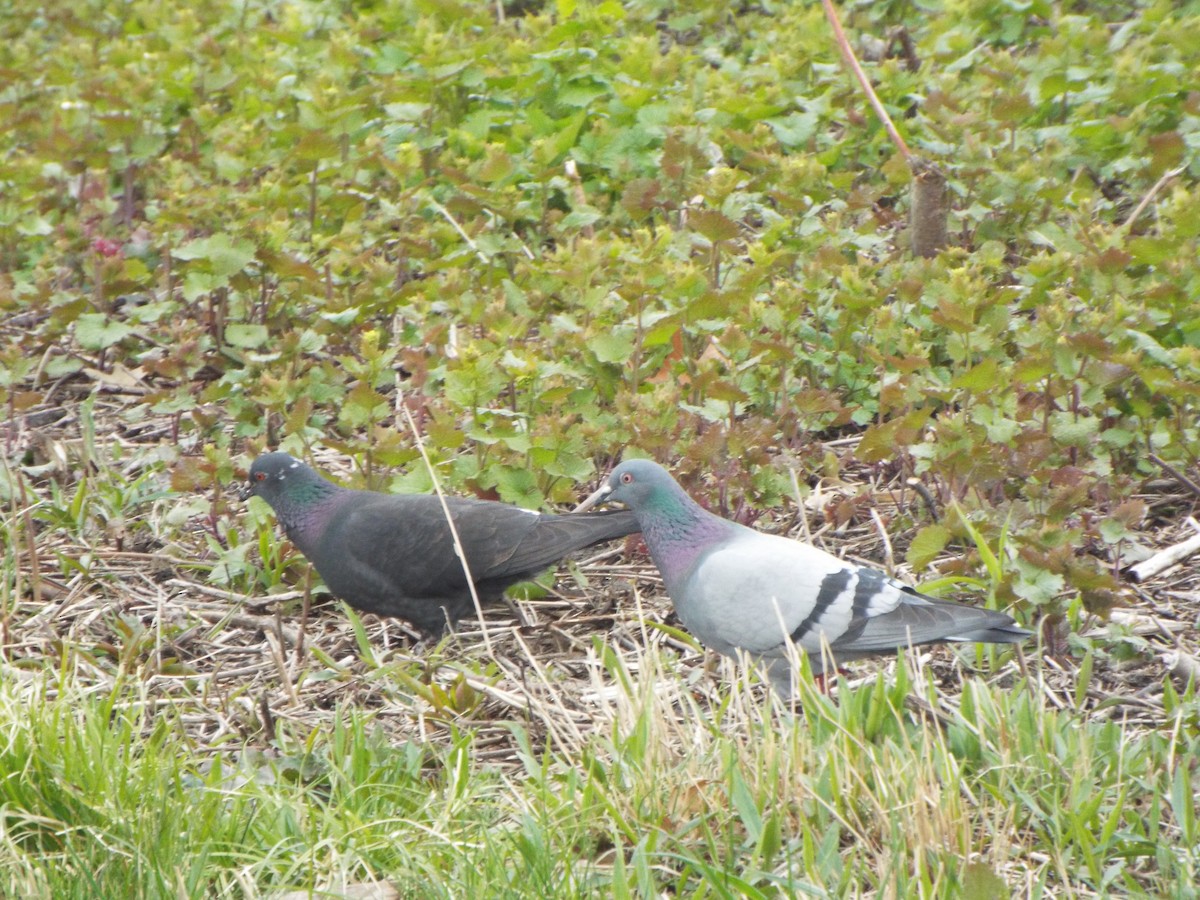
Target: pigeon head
(640, 484)
(677, 531)
(279, 477)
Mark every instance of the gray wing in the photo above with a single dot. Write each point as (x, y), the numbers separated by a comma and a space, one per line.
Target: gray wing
(406, 539)
(918, 619)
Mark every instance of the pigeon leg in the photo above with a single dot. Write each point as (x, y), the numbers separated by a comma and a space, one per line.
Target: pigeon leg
(822, 682)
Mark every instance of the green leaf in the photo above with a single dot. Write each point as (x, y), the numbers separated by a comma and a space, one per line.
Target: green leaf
(743, 802)
(246, 336)
(96, 331)
(561, 463)
(58, 366)
(1153, 251)
(407, 112)
(979, 378)
(363, 406)
(1183, 802)
(713, 225)
(518, 486)
(581, 91)
(928, 543)
(1037, 585)
(35, 226)
(880, 442)
(1152, 348)
(1074, 430)
(415, 481)
(582, 217)
(224, 255)
(795, 130)
(316, 145)
(612, 346)
(1114, 530)
(1052, 235)
(343, 318)
(200, 284)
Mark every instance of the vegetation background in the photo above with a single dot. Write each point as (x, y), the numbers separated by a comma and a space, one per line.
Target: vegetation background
(548, 232)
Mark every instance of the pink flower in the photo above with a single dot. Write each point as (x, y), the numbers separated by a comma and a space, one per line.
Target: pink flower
(106, 247)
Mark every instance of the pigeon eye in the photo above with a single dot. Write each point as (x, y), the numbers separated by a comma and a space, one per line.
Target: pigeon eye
(626, 478)
(260, 476)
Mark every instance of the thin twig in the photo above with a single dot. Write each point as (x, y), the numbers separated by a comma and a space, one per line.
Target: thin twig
(466, 237)
(888, 557)
(923, 492)
(580, 197)
(1150, 194)
(801, 512)
(22, 509)
(1176, 474)
(852, 62)
(275, 641)
(437, 489)
(254, 623)
(230, 596)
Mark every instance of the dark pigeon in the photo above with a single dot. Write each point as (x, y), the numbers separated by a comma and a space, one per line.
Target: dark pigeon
(393, 554)
(739, 589)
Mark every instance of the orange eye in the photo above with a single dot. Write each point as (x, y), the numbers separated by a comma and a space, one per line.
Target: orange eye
(260, 476)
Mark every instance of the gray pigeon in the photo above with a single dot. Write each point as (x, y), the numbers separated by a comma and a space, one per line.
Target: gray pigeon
(739, 589)
(393, 554)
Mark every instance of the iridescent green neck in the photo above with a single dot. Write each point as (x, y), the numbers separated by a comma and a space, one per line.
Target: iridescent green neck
(677, 531)
(302, 500)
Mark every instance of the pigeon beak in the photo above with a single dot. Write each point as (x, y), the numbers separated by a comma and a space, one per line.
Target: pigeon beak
(595, 499)
(245, 491)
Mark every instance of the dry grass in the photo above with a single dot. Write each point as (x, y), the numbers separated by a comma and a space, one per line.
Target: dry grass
(127, 592)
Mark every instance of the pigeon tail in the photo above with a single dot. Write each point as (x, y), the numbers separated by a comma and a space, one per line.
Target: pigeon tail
(922, 620)
(1003, 634)
(554, 536)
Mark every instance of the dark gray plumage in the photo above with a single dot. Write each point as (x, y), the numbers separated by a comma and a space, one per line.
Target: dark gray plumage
(393, 554)
(740, 589)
